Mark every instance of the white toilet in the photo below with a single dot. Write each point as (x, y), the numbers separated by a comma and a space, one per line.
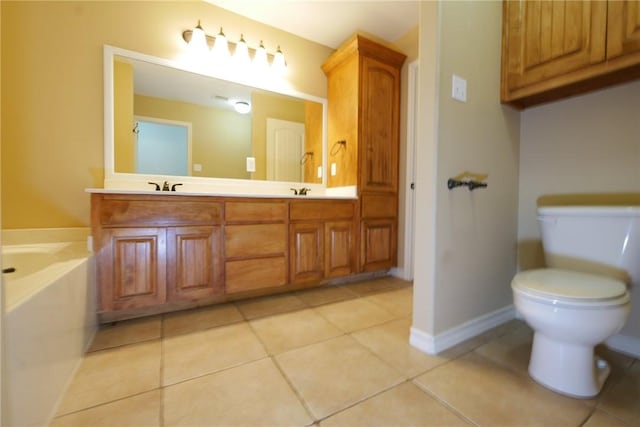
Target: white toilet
(583, 298)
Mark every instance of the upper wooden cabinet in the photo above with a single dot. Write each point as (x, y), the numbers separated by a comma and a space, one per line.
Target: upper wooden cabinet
(555, 49)
(364, 115)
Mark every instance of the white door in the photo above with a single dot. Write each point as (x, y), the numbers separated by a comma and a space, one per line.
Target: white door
(285, 147)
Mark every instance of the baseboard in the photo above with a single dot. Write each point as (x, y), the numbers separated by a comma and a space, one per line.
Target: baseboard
(435, 344)
(400, 273)
(625, 344)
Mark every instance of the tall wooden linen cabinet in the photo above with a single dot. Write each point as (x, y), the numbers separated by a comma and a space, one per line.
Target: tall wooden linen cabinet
(363, 137)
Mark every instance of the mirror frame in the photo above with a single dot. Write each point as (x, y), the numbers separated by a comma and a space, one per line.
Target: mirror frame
(194, 184)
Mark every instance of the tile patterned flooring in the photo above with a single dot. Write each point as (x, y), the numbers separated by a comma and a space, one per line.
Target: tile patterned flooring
(334, 356)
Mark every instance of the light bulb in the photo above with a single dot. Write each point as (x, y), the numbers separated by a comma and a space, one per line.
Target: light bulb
(241, 55)
(260, 61)
(198, 42)
(221, 47)
(279, 64)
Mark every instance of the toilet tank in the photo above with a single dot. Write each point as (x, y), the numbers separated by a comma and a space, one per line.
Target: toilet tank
(593, 239)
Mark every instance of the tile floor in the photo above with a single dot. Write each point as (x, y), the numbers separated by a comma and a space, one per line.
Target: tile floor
(335, 356)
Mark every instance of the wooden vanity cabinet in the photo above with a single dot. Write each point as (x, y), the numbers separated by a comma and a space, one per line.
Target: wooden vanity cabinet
(152, 250)
(555, 49)
(255, 245)
(364, 111)
(322, 239)
(158, 253)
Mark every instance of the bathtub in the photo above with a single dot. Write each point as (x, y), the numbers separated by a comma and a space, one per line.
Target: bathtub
(50, 320)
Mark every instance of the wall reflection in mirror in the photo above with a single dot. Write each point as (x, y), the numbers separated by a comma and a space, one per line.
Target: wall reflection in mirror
(169, 121)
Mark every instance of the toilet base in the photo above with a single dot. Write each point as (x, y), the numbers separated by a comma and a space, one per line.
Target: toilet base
(567, 368)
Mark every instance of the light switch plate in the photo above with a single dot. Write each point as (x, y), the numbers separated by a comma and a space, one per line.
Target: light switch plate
(251, 164)
(319, 171)
(197, 167)
(458, 88)
(333, 169)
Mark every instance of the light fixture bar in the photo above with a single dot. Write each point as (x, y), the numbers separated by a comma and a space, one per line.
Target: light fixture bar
(186, 36)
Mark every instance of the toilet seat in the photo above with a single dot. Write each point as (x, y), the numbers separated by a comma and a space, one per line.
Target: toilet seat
(556, 286)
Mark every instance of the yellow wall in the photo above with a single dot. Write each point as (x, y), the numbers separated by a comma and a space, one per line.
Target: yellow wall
(313, 141)
(221, 139)
(123, 140)
(52, 98)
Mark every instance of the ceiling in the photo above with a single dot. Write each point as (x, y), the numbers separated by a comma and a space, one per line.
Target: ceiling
(330, 22)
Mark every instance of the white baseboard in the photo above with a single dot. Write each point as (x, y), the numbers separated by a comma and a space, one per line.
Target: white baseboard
(625, 344)
(435, 344)
(400, 273)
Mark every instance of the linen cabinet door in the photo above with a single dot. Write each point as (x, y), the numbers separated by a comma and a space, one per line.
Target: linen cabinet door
(339, 248)
(378, 240)
(132, 268)
(379, 123)
(307, 252)
(194, 266)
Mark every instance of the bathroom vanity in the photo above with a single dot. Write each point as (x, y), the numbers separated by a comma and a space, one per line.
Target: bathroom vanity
(163, 252)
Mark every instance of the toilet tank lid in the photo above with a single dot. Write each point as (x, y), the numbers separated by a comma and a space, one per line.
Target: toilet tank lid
(553, 282)
(633, 211)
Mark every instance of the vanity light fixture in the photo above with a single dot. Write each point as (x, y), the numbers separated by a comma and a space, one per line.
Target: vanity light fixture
(242, 107)
(238, 54)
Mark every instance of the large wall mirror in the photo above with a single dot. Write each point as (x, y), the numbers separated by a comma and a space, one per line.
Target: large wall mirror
(164, 120)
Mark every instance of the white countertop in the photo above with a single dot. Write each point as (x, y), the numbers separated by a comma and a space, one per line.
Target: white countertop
(310, 195)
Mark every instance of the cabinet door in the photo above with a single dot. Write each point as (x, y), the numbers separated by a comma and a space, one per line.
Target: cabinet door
(379, 126)
(307, 252)
(547, 39)
(132, 268)
(378, 244)
(194, 262)
(623, 28)
(339, 248)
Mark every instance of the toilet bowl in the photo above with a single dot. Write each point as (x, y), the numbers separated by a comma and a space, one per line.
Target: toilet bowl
(583, 298)
(570, 313)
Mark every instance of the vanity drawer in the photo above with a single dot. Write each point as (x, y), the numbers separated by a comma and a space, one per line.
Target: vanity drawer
(321, 209)
(250, 274)
(257, 211)
(255, 240)
(121, 212)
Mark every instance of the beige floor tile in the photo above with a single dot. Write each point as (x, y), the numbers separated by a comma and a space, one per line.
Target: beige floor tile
(380, 284)
(203, 352)
(512, 349)
(390, 342)
(126, 332)
(254, 394)
(335, 374)
(398, 302)
(325, 295)
(622, 400)
(140, 411)
(197, 319)
(491, 395)
(113, 374)
(292, 330)
(355, 314)
(403, 405)
(268, 306)
(602, 419)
